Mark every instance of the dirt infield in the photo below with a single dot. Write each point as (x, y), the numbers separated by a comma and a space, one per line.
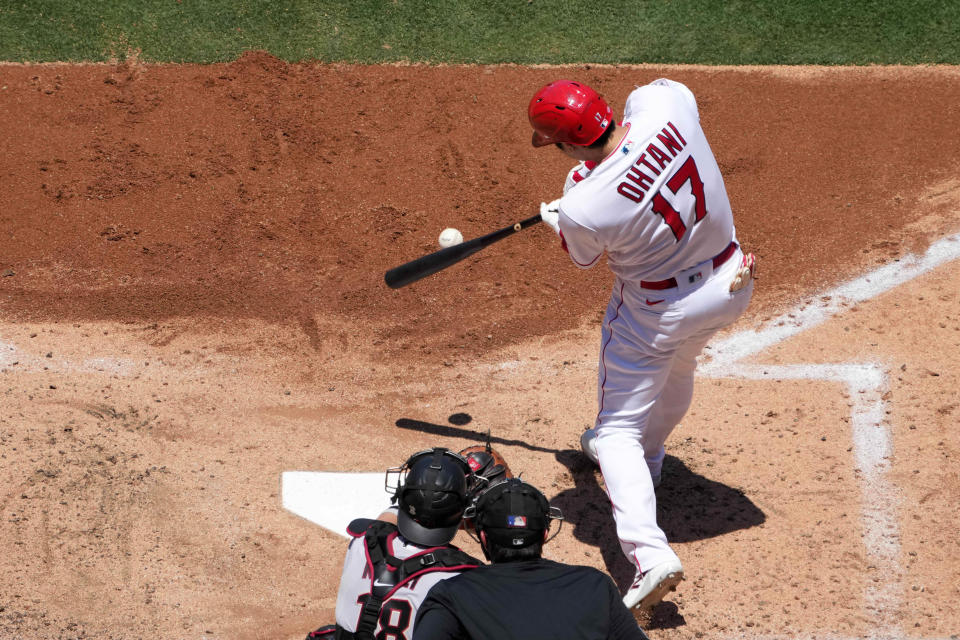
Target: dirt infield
(192, 303)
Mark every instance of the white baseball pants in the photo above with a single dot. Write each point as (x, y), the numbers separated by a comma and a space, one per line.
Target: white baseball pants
(649, 344)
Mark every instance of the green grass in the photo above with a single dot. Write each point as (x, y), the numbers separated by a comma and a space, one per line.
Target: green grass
(492, 31)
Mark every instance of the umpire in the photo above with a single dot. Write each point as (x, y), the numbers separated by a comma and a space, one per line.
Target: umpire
(522, 596)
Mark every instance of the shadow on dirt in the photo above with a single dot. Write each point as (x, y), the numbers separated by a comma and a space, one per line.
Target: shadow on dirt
(471, 435)
(689, 507)
(693, 507)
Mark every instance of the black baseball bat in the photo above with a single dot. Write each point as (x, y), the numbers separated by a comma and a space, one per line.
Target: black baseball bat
(438, 260)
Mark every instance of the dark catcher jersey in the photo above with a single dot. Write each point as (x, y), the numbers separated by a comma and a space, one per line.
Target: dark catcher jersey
(530, 600)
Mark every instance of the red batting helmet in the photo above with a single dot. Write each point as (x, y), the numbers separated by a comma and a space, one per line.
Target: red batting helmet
(568, 111)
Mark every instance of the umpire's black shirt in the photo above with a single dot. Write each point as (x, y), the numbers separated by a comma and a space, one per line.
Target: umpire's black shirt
(528, 600)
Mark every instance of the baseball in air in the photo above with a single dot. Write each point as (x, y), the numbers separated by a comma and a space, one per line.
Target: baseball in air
(450, 237)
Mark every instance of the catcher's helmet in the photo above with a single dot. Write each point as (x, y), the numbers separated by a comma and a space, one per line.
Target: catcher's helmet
(568, 111)
(432, 496)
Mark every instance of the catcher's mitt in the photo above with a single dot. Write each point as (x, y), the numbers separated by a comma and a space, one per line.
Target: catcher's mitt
(489, 468)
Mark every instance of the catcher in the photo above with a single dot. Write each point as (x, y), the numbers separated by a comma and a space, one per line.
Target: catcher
(394, 560)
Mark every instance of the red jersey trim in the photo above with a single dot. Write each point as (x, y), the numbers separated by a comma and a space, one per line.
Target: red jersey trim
(587, 165)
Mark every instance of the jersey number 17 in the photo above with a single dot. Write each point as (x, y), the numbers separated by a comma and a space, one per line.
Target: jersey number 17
(686, 172)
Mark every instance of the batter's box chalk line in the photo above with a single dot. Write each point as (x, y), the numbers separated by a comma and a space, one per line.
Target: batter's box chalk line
(12, 356)
(866, 384)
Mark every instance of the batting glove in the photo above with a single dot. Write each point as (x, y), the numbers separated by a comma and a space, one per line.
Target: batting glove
(550, 213)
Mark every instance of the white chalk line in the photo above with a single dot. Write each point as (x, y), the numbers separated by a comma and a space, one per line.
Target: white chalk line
(826, 305)
(11, 356)
(866, 383)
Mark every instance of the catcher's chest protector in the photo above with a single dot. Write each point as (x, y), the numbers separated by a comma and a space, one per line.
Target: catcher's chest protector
(389, 573)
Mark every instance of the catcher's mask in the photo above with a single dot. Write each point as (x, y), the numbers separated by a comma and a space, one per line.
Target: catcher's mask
(568, 111)
(513, 514)
(431, 493)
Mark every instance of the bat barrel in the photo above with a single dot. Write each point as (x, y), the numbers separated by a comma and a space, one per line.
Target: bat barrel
(438, 260)
(429, 264)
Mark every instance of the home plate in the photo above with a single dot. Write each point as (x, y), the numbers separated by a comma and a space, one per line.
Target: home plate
(332, 500)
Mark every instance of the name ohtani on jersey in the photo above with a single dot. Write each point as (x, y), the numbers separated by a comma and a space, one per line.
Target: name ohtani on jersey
(654, 159)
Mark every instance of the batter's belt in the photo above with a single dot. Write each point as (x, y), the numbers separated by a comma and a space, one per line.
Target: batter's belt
(670, 283)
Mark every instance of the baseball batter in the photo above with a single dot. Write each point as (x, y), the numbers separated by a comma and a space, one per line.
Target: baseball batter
(647, 192)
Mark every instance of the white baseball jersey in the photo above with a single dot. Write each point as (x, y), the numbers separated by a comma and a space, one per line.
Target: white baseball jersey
(400, 607)
(657, 204)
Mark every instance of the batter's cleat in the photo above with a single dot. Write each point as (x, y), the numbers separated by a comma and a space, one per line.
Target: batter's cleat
(650, 587)
(588, 442)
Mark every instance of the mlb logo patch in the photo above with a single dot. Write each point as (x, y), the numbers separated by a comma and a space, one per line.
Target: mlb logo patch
(516, 521)
(695, 277)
